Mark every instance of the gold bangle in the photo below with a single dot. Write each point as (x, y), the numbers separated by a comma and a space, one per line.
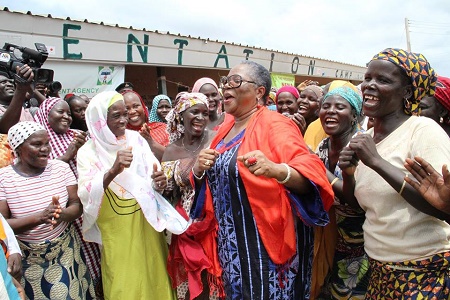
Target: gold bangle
(402, 188)
(334, 181)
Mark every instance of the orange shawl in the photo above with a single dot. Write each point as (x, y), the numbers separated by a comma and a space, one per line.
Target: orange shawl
(281, 141)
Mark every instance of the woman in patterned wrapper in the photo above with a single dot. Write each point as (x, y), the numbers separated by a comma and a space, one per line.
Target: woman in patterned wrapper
(349, 273)
(55, 115)
(406, 239)
(188, 132)
(258, 192)
(38, 197)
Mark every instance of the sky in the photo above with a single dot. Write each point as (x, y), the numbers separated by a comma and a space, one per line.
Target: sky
(345, 31)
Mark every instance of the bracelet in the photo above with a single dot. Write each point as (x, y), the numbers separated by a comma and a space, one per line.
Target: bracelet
(334, 181)
(197, 177)
(288, 176)
(403, 187)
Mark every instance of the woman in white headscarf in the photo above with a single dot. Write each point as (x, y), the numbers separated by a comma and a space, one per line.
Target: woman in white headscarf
(121, 209)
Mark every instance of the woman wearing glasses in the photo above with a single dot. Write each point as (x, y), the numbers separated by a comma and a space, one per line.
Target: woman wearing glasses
(257, 189)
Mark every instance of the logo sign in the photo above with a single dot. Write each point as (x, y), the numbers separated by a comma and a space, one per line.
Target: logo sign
(105, 75)
(5, 57)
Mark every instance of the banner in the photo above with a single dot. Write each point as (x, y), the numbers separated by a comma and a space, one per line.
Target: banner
(85, 78)
(279, 80)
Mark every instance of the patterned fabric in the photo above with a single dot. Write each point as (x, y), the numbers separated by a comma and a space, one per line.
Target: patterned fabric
(18, 133)
(186, 259)
(417, 68)
(153, 114)
(175, 126)
(443, 94)
(420, 279)
(58, 141)
(248, 271)
(56, 269)
(273, 216)
(6, 154)
(348, 94)
(289, 89)
(98, 155)
(350, 273)
(158, 132)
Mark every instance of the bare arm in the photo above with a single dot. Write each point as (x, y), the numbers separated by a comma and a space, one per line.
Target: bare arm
(14, 110)
(21, 225)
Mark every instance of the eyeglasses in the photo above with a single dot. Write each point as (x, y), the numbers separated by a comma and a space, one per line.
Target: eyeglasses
(233, 81)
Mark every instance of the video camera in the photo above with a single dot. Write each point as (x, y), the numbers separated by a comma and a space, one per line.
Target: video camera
(34, 59)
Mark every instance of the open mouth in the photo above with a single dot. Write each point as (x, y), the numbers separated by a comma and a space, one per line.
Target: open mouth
(198, 126)
(331, 122)
(134, 119)
(370, 100)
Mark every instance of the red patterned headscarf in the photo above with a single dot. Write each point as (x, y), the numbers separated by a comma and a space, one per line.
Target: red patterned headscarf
(443, 91)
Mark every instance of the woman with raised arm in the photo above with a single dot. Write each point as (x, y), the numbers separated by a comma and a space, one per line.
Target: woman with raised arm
(119, 185)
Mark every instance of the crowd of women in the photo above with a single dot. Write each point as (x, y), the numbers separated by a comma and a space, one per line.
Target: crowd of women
(211, 195)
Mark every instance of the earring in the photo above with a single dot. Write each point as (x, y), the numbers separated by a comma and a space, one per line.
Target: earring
(407, 104)
(353, 122)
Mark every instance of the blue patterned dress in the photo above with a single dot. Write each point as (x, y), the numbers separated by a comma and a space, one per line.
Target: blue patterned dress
(248, 271)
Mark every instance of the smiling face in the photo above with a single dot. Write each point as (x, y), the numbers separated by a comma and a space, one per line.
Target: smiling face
(6, 89)
(195, 119)
(384, 87)
(136, 113)
(60, 117)
(213, 96)
(35, 150)
(308, 105)
(287, 103)
(239, 101)
(336, 115)
(163, 109)
(117, 118)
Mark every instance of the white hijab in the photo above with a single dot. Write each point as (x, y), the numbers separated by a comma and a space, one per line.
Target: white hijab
(97, 156)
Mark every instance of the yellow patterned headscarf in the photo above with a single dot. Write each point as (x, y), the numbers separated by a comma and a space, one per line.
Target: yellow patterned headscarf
(417, 68)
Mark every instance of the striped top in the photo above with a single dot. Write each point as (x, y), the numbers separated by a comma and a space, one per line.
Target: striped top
(30, 195)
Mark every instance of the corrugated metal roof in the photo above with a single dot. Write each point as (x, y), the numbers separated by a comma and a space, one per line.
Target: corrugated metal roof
(168, 33)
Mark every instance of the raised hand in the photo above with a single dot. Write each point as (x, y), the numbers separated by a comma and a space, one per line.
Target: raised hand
(159, 178)
(430, 184)
(123, 160)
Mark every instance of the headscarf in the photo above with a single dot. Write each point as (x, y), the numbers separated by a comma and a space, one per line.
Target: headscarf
(175, 126)
(18, 134)
(289, 89)
(339, 83)
(348, 94)
(144, 107)
(58, 141)
(317, 90)
(153, 114)
(422, 75)
(201, 82)
(98, 155)
(443, 91)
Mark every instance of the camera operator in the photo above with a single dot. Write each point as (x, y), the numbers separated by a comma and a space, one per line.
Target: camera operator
(13, 94)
